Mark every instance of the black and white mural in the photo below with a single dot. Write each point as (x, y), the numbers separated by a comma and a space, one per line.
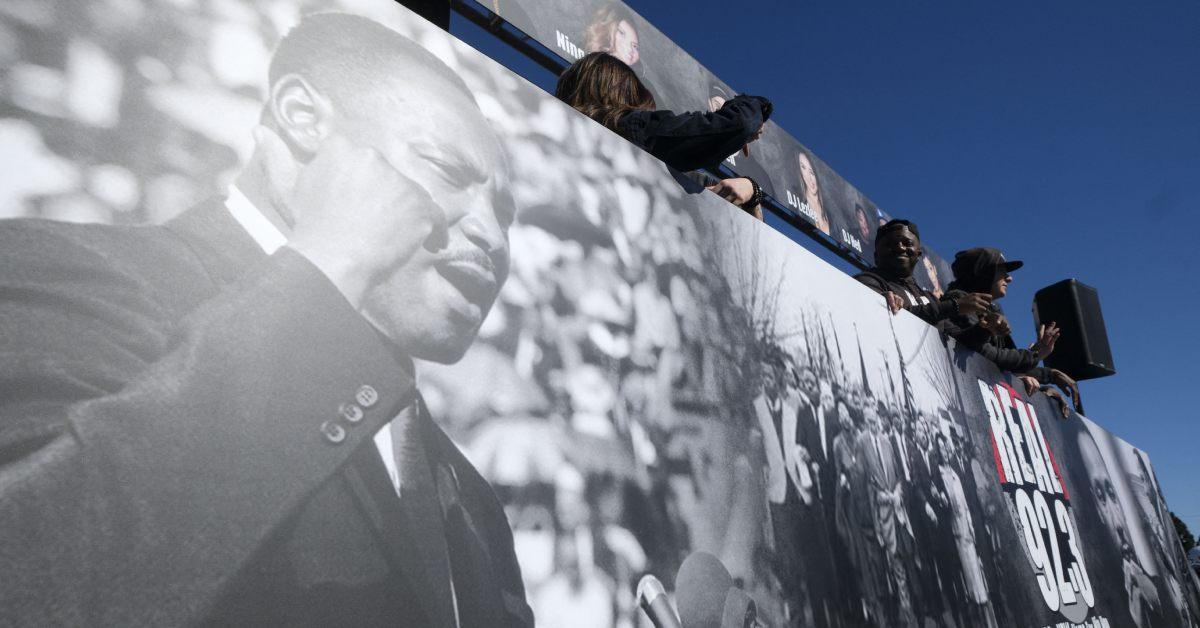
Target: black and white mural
(312, 315)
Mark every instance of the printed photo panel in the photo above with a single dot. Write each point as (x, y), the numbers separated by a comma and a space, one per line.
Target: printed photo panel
(661, 385)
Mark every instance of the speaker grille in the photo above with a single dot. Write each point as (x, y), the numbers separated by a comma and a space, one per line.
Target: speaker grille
(1083, 351)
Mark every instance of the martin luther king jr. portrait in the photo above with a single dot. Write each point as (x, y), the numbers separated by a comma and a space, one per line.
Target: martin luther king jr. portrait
(215, 420)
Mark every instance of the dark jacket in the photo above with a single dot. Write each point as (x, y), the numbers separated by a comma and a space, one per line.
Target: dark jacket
(166, 449)
(1001, 350)
(921, 302)
(688, 141)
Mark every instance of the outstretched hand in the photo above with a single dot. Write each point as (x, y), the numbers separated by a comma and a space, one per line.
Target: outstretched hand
(1047, 337)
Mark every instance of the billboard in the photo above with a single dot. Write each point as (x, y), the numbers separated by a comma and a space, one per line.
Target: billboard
(317, 316)
(789, 172)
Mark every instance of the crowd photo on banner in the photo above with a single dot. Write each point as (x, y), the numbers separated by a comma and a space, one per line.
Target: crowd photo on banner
(314, 315)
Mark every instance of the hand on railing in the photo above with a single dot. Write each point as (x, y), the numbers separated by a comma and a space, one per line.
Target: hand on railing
(1065, 382)
(894, 302)
(1032, 385)
(743, 192)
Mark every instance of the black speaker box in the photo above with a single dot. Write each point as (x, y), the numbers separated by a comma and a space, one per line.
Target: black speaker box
(1082, 350)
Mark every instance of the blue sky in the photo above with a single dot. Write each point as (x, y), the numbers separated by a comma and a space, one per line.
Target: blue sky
(1065, 133)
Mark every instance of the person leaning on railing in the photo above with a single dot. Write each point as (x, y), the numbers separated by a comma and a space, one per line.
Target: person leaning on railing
(606, 90)
(984, 270)
(897, 252)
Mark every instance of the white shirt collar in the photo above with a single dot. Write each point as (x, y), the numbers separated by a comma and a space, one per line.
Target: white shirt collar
(266, 234)
(270, 238)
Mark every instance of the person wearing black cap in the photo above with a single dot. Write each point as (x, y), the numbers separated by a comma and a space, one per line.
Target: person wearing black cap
(984, 269)
(897, 251)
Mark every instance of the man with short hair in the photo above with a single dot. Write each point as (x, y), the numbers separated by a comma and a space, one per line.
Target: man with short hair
(879, 502)
(215, 420)
(815, 427)
(897, 251)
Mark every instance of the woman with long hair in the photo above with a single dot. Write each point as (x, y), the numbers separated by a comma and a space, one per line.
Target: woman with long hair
(605, 89)
(811, 194)
(611, 30)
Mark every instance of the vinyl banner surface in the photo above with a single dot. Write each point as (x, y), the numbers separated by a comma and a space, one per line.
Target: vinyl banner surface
(788, 171)
(312, 315)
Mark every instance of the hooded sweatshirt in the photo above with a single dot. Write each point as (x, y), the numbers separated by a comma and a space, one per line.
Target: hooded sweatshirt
(974, 271)
(921, 302)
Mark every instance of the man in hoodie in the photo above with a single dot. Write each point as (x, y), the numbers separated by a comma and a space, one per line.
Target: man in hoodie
(984, 270)
(897, 252)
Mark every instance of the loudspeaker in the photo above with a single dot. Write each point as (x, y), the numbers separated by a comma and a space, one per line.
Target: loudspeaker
(1082, 350)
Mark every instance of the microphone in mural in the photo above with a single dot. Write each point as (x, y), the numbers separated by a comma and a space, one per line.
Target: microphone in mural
(652, 599)
(709, 598)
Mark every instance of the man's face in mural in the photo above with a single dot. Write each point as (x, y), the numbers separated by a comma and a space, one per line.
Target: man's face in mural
(1146, 484)
(1107, 503)
(434, 304)
(777, 375)
(870, 417)
(921, 434)
(808, 384)
(826, 397)
(942, 450)
(844, 419)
